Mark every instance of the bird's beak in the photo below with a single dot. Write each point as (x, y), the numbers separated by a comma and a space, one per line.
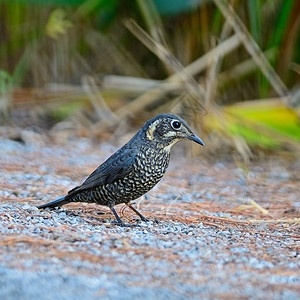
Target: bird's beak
(195, 139)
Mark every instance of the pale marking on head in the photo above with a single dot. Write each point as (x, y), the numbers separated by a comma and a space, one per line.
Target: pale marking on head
(170, 134)
(151, 129)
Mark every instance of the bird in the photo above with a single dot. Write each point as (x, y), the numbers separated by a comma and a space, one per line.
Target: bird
(134, 169)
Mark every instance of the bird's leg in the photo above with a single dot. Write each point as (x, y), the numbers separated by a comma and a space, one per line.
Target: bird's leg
(137, 212)
(119, 221)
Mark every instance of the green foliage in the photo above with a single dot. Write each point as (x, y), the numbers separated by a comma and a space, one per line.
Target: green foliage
(6, 82)
(275, 116)
(268, 125)
(276, 37)
(254, 8)
(60, 41)
(65, 110)
(253, 137)
(282, 20)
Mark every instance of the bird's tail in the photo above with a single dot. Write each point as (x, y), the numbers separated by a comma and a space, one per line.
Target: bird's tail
(58, 202)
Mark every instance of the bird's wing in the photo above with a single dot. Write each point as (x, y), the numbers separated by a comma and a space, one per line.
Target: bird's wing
(115, 167)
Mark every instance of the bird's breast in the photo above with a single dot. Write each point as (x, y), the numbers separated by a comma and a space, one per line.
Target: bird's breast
(149, 167)
(151, 163)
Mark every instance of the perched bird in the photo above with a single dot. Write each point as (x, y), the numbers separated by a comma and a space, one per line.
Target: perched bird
(135, 168)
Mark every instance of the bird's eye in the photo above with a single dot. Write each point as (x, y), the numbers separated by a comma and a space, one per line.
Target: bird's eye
(175, 124)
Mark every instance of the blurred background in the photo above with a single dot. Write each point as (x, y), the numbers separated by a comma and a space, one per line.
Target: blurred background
(100, 67)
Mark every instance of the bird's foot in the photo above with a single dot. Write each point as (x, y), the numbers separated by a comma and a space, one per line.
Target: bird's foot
(122, 224)
(144, 219)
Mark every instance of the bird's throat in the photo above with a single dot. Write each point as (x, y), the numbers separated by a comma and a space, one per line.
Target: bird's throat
(168, 147)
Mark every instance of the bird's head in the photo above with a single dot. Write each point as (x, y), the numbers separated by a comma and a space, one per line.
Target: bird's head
(167, 130)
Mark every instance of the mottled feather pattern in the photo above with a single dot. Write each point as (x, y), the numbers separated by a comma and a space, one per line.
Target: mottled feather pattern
(145, 172)
(135, 168)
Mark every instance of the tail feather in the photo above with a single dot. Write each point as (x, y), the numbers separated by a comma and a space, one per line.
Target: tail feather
(58, 202)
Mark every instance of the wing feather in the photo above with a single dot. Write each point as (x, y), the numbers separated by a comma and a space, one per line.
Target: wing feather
(114, 168)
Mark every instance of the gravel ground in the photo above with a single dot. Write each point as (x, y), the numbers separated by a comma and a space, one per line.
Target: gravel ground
(206, 239)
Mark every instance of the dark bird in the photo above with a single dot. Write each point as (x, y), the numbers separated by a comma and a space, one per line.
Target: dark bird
(135, 168)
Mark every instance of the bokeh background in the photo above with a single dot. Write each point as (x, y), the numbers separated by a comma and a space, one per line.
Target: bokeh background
(79, 77)
(231, 68)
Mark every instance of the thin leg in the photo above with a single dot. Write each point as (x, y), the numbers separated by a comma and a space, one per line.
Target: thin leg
(137, 212)
(119, 221)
